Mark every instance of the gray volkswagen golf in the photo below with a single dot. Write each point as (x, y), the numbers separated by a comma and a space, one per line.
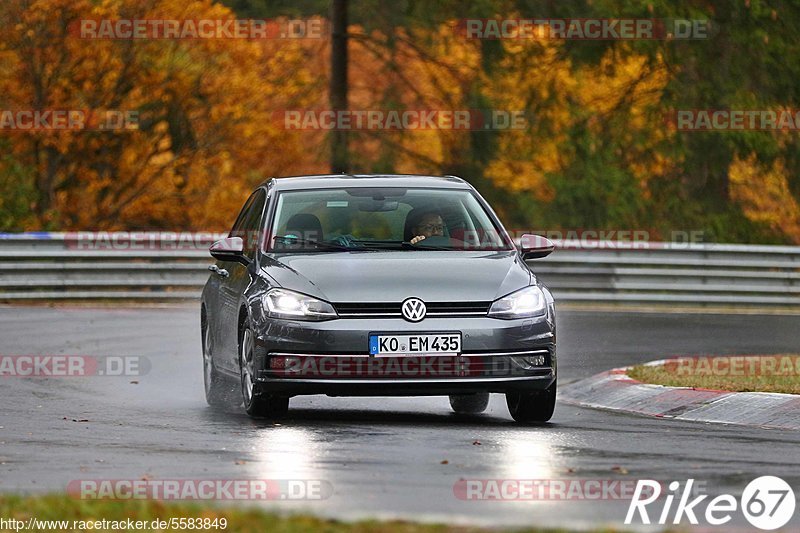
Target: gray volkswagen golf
(378, 285)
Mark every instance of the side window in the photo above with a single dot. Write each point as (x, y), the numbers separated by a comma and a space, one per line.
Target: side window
(247, 225)
(237, 226)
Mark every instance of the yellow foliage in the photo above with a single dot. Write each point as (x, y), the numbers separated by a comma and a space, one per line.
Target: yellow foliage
(438, 69)
(626, 87)
(763, 192)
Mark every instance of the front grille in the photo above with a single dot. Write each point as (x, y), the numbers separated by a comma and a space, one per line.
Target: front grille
(435, 309)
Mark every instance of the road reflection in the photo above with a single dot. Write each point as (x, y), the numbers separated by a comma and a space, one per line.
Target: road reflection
(527, 455)
(284, 453)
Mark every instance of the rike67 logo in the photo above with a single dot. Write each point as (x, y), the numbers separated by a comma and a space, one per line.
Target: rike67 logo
(767, 502)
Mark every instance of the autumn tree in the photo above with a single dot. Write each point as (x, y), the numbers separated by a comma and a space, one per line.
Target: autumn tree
(205, 134)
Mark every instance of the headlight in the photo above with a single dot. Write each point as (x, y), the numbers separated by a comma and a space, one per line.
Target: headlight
(524, 303)
(281, 303)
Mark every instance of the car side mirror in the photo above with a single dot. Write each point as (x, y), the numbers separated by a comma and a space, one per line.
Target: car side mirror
(229, 249)
(535, 246)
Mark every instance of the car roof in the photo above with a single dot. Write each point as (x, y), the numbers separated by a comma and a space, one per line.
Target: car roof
(322, 181)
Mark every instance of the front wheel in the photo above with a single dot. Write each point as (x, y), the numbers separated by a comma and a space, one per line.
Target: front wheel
(469, 404)
(220, 392)
(532, 407)
(256, 403)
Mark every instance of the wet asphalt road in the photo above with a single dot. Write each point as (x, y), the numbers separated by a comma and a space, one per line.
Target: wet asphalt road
(384, 457)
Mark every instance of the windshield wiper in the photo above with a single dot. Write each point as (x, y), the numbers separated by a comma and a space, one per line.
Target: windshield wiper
(291, 239)
(380, 245)
(413, 246)
(397, 245)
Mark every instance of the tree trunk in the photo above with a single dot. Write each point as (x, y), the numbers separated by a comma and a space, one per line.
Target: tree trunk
(338, 88)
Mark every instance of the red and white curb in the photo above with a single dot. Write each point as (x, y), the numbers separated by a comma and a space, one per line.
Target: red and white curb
(614, 390)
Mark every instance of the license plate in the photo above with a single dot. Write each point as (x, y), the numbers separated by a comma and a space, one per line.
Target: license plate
(449, 343)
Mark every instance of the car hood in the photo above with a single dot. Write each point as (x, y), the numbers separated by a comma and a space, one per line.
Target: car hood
(434, 276)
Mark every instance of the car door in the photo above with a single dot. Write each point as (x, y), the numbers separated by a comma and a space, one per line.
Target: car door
(234, 278)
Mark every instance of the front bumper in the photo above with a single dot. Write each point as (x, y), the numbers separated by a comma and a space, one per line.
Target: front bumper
(334, 357)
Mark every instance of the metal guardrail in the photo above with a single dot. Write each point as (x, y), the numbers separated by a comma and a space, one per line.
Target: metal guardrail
(57, 266)
(673, 273)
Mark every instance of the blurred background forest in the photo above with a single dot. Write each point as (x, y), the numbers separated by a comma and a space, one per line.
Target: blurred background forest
(598, 152)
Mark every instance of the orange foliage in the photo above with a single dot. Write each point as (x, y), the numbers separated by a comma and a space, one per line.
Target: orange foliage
(205, 136)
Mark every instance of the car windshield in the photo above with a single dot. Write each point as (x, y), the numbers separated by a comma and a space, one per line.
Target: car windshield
(387, 218)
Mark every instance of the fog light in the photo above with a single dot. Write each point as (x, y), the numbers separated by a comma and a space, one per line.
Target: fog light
(285, 363)
(528, 362)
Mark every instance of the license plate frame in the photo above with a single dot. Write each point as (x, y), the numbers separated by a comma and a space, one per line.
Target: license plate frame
(405, 346)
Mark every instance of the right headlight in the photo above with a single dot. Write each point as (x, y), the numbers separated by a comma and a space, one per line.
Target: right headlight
(524, 303)
(282, 303)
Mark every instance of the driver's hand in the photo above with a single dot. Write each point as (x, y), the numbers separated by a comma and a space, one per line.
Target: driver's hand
(418, 238)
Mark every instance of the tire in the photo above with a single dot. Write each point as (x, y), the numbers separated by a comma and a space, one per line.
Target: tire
(532, 407)
(469, 404)
(256, 402)
(220, 391)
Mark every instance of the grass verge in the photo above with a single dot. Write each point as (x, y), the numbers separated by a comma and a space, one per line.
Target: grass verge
(737, 373)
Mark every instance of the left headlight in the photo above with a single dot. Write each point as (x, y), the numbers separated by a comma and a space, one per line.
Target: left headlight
(282, 303)
(527, 302)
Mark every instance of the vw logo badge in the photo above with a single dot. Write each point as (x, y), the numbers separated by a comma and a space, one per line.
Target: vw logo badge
(413, 309)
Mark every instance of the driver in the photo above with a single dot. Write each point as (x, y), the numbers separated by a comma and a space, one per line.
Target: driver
(429, 225)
